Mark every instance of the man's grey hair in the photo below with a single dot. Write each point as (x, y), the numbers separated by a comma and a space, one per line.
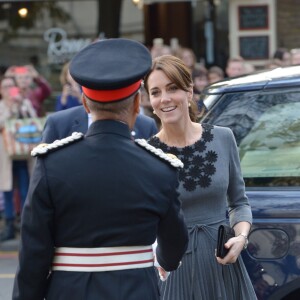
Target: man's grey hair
(117, 107)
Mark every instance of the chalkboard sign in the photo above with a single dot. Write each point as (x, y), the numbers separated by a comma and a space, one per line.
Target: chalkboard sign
(253, 17)
(254, 47)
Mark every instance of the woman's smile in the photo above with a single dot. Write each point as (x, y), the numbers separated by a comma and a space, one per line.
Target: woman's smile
(168, 108)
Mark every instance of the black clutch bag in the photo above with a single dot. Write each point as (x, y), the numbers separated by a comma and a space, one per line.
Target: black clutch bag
(224, 234)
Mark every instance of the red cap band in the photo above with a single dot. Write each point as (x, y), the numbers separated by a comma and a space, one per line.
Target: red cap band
(112, 95)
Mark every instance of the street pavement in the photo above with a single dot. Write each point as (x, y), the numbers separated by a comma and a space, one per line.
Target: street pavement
(8, 266)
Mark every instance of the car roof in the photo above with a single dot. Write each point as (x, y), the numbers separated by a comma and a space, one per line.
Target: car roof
(279, 77)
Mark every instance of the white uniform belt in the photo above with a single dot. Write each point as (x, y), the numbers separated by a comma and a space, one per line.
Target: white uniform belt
(102, 259)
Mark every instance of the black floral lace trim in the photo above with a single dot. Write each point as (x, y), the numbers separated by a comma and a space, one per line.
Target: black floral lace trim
(199, 164)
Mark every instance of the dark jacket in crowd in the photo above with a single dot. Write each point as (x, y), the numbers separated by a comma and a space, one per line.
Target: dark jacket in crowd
(63, 123)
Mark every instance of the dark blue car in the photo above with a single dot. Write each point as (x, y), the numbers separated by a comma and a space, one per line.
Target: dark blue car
(263, 110)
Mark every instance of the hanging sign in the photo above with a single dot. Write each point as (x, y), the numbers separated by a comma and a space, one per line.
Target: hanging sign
(60, 48)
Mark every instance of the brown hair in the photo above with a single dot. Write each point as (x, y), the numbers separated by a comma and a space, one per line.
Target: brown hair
(63, 77)
(175, 69)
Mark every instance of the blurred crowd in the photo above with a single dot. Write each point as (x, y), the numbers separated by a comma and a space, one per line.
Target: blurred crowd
(22, 94)
(23, 91)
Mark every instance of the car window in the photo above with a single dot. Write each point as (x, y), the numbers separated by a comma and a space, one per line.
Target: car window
(272, 147)
(267, 130)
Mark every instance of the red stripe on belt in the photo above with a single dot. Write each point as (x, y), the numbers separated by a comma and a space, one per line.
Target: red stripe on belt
(103, 254)
(103, 265)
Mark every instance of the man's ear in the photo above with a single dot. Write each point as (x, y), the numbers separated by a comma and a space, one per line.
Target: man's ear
(136, 103)
(85, 104)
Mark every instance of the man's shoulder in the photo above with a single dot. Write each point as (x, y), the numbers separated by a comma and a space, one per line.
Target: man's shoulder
(66, 113)
(145, 126)
(166, 157)
(145, 119)
(63, 123)
(45, 148)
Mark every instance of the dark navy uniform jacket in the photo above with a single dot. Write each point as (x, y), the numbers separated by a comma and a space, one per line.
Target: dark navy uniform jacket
(101, 191)
(63, 123)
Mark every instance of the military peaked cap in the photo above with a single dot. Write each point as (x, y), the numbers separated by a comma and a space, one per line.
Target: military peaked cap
(112, 69)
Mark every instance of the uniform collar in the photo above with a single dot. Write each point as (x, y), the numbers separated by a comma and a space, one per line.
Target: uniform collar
(109, 126)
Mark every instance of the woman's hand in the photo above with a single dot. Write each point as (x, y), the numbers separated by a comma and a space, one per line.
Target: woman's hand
(235, 246)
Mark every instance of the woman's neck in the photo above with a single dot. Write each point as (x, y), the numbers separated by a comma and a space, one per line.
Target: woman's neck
(175, 136)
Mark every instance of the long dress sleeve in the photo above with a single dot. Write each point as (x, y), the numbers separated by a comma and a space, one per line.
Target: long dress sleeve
(238, 202)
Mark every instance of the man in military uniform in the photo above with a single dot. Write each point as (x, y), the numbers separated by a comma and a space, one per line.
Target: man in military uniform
(98, 202)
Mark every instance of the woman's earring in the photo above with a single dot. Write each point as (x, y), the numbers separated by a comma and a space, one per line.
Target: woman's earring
(154, 112)
(189, 104)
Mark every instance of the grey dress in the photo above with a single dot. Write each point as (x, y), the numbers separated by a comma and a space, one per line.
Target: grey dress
(211, 184)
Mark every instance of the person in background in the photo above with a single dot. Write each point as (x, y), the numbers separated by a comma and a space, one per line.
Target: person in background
(235, 66)
(12, 105)
(249, 68)
(1, 204)
(159, 48)
(63, 123)
(210, 181)
(273, 63)
(295, 57)
(283, 55)
(199, 76)
(71, 91)
(100, 194)
(215, 74)
(188, 56)
(32, 85)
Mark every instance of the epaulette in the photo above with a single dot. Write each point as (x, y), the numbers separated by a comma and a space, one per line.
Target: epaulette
(42, 149)
(171, 158)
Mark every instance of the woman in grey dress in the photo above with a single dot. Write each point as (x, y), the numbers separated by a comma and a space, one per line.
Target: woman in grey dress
(210, 184)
